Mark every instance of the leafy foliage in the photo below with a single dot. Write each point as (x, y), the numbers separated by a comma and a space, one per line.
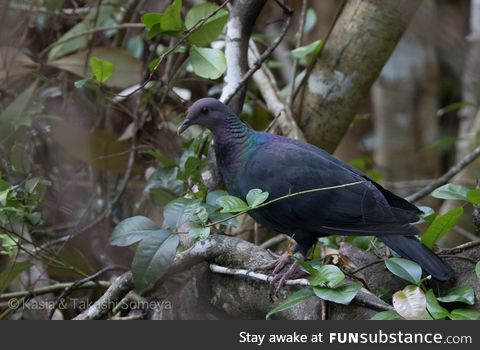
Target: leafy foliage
(441, 225)
(405, 269)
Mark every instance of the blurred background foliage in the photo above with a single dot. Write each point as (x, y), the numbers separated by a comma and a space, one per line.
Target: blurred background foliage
(91, 93)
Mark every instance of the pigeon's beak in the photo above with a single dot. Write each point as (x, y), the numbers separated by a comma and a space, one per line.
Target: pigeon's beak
(184, 126)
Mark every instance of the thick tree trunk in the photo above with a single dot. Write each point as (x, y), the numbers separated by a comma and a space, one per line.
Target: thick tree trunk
(343, 75)
(404, 101)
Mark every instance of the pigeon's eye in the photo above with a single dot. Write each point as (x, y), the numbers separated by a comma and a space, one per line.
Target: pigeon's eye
(204, 110)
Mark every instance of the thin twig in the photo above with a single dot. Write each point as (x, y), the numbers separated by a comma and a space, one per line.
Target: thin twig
(442, 180)
(301, 28)
(51, 289)
(264, 56)
(79, 283)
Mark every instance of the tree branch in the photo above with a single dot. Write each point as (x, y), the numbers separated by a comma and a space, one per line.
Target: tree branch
(442, 180)
(341, 79)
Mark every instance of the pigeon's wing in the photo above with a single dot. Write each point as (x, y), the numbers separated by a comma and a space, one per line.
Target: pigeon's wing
(282, 168)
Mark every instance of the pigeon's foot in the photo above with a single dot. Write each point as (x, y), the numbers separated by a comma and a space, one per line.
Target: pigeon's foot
(279, 279)
(278, 276)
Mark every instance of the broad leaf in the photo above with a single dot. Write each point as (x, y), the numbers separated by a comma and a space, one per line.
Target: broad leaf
(464, 314)
(294, 299)
(213, 196)
(451, 191)
(14, 64)
(461, 294)
(179, 211)
(210, 29)
(199, 215)
(255, 197)
(153, 257)
(306, 53)
(128, 70)
(231, 204)
(329, 275)
(9, 273)
(386, 315)
(473, 196)
(207, 63)
(169, 21)
(71, 41)
(18, 112)
(410, 303)
(102, 70)
(437, 311)
(199, 233)
(340, 295)
(164, 186)
(405, 269)
(132, 230)
(310, 20)
(441, 226)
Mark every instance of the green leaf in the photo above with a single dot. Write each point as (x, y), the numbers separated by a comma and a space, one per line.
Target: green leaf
(428, 214)
(128, 70)
(340, 295)
(231, 204)
(386, 315)
(473, 196)
(441, 226)
(437, 311)
(255, 197)
(101, 69)
(164, 186)
(410, 303)
(461, 294)
(213, 196)
(159, 156)
(293, 300)
(199, 233)
(135, 46)
(464, 314)
(168, 21)
(199, 215)
(225, 218)
(18, 112)
(306, 53)
(11, 272)
(153, 257)
(70, 41)
(179, 211)
(207, 63)
(477, 269)
(310, 20)
(330, 275)
(451, 191)
(81, 83)
(405, 269)
(211, 29)
(132, 230)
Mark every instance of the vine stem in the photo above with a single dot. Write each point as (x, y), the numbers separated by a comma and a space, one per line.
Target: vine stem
(290, 195)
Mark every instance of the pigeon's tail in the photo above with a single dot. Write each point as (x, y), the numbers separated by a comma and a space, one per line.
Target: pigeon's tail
(411, 248)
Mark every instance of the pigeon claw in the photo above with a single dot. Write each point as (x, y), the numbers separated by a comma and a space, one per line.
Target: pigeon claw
(278, 277)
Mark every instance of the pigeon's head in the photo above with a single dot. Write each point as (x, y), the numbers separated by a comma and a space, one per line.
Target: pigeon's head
(207, 112)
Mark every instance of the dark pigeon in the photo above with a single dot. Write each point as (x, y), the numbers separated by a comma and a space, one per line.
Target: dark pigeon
(248, 159)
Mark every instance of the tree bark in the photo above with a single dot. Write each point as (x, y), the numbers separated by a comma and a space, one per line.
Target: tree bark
(343, 75)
